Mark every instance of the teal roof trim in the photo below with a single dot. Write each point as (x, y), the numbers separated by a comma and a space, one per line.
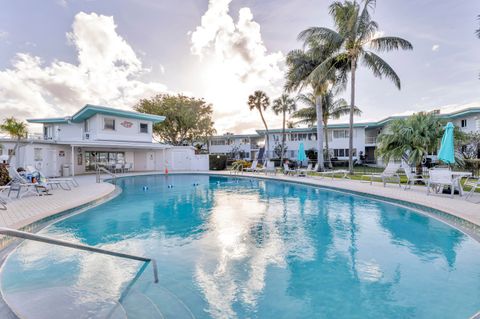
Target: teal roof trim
(53, 120)
(90, 110)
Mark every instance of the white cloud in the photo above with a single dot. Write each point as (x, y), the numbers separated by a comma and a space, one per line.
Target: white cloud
(435, 47)
(107, 73)
(235, 62)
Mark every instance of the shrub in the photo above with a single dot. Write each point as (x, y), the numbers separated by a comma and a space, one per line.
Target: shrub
(4, 176)
(217, 162)
(242, 163)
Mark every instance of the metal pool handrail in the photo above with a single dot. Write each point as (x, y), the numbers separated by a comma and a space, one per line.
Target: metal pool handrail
(58, 242)
(104, 170)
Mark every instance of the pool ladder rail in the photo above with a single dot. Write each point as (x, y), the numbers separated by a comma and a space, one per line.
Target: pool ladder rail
(101, 170)
(44, 239)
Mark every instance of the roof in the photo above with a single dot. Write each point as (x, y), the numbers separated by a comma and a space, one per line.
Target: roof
(96, 144)
(385, 121)
(90, 110)
(235, 136)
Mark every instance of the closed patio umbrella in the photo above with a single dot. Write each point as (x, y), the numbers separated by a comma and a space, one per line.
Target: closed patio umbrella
(301, 156)
(446, 153)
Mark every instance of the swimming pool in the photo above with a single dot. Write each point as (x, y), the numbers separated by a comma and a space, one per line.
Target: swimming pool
(246, 248)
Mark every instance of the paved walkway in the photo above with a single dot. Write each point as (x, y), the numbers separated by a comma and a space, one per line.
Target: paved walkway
(24, 211)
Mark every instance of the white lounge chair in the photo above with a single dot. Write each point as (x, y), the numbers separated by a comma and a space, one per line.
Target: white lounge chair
(56, 180)
(21, 186)
(439, 178)
(268, 167)
(389, 174)
(411, 176)
(288, 171)
(118, 168)
(334, 172)
(252, 168)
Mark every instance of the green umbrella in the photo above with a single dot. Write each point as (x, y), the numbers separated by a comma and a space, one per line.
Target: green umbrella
(446, 153)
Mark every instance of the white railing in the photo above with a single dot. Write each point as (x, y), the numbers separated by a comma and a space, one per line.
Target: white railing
(44, 239)
(370, 139)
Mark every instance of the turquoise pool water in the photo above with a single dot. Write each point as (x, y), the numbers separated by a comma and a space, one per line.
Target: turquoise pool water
(246, 248)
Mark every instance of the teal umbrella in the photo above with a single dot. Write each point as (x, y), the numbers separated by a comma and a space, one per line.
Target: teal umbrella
(301, 153)
(446, 153)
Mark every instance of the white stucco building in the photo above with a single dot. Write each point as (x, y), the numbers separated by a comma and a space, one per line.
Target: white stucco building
(98, 135)
(364, 137)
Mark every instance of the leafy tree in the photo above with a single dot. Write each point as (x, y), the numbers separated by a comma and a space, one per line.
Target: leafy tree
(260, 101)
(17, 130)
(283, 105)
(355, 34)
(414, 137)
(301, 64)
(333, 108)
(188, 119)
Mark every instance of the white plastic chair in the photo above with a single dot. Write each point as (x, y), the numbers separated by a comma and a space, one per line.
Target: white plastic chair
(474, 184)
(287, 170)
(252, 168)
(439, 178)
(411, 176)
(390, 173)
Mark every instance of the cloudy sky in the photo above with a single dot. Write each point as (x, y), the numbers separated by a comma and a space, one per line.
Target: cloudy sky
(57, 55)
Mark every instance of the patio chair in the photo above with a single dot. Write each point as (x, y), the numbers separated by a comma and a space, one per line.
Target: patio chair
(268, 167)
(22, 186)
(439, 178)
(411, 176)
(118, 168)
(252, 168)
(474, 184)
(127, 167)
(389, 174)
(55, 180)
(288, 171)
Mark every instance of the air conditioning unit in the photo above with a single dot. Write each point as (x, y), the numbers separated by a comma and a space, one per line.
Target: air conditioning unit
(86, 136)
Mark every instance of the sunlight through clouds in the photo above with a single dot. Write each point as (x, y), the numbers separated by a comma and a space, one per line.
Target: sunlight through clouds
(235, 62)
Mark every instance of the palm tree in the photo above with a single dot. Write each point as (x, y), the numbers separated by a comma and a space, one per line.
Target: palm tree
(283, 105)
(301, 63)
(260, 101)
(355, 34)
(290, 124)
(333, 108)
(17, 130)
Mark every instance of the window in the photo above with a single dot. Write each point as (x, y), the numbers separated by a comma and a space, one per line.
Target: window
(143, 128)
(86, 126)
(37, 154)
(217, 142)
(464, 123)
(11, 152)
(341, 134)
(109, 124)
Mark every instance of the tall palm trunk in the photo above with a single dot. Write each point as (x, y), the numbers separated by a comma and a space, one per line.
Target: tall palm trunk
(319, 110)
(352, 109)
(283, 140)
(325, 129)
(267, 143)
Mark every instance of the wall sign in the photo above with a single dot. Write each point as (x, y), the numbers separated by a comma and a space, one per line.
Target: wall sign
(126, 124)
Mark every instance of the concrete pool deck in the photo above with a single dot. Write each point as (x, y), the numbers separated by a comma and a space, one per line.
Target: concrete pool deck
(28, 210)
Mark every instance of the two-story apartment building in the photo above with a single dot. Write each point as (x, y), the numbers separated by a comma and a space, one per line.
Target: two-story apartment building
(98, 135)
(365, 136)
(244, 146)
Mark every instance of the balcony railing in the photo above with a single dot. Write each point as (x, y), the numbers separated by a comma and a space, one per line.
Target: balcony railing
(370, 139)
